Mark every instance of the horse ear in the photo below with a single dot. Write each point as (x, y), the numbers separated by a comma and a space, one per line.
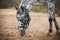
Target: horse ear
(16, 7)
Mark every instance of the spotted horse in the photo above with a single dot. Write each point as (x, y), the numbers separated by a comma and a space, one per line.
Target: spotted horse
(23, 16)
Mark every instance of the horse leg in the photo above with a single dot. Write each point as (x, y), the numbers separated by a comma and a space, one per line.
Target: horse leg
(51, 10)
(50, 26)
(57, 27)
(51, 7)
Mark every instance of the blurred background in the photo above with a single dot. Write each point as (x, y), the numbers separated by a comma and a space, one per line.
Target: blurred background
(38, 7)
(39, 23)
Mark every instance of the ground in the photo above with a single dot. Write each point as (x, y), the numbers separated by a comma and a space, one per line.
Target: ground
(37, 29)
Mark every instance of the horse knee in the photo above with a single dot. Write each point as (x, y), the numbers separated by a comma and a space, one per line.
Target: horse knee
(50, 23)
(50, 19)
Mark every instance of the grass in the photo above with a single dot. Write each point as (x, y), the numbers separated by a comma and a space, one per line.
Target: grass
(39, 9)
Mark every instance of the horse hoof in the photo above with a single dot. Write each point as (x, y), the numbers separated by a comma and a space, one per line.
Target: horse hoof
(48, 34)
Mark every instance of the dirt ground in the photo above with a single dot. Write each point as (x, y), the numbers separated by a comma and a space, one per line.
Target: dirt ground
(37, 29)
